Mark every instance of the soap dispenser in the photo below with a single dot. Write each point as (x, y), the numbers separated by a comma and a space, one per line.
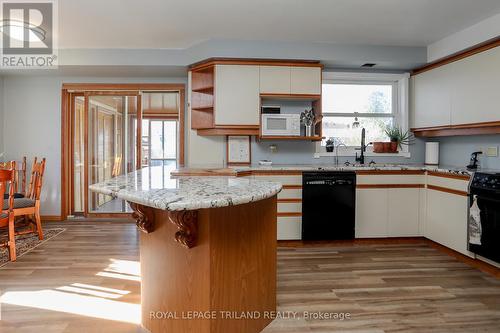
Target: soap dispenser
(474, 161)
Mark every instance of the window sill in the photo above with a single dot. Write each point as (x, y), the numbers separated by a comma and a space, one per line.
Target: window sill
(368, 154)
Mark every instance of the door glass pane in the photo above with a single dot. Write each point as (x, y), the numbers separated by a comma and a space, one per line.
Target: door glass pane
(78, 154)
(145, 143)
(112, 150)
(170, 143)
(163, 143)
(156, 139)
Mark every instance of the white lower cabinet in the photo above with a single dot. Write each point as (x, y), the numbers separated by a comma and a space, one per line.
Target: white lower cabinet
(289, 227)
(371, 213)
(447, 219)
(289, 205)
(387, 212)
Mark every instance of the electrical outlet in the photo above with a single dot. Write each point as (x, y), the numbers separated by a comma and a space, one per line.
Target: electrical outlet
(273, 149)
(492, 152)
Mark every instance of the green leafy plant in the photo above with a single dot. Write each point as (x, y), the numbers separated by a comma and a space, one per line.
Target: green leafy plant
(396, 134)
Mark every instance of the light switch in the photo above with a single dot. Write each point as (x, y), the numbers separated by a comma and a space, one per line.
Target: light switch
(492, 151)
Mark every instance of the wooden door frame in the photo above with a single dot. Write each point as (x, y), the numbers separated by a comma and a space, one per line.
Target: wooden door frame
(67, 90)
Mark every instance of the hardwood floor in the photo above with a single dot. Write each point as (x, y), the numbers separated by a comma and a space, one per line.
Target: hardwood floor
(86, 280)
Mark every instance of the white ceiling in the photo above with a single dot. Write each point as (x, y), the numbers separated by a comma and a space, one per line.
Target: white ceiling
(182, 23)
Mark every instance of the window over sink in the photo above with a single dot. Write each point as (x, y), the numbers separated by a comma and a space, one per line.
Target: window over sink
(352, 101)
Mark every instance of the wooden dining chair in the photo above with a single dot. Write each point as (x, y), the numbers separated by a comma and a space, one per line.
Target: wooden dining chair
(20, 177)
(29, 205)
(7, 213)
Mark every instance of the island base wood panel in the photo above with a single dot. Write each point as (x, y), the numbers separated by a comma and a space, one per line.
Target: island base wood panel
(232, 267)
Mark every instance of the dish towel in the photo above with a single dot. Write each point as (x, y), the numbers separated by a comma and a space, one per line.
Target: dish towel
(475, 229)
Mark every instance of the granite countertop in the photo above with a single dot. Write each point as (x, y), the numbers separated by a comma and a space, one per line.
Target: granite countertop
(154, 187)
(234, 171)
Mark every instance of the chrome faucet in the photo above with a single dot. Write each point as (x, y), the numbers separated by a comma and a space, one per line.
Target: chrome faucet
(361, 158)
(337, 152)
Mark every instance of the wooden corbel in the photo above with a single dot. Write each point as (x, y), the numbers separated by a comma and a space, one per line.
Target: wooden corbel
(187, 223)
(143, 216)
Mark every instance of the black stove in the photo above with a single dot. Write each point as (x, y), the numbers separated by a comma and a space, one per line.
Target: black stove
(484, 219)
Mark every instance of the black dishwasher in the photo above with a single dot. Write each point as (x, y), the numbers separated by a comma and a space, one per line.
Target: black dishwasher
(328, 205)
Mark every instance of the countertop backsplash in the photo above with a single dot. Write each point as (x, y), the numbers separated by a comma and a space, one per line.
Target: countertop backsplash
(452, 151)
(302, 152)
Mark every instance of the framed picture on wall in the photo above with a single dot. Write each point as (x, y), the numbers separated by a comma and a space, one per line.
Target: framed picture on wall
(238, 150)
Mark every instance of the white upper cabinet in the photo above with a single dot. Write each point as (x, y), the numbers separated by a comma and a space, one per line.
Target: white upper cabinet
(432, 102)
(459, 93)
(475, 91)
(237, 100)
(305, 80)
(274, 79)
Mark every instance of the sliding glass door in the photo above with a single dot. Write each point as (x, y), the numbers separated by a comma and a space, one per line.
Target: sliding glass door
(117, 132)
(112, 142)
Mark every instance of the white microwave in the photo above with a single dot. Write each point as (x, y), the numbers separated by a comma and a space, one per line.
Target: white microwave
(280, 125)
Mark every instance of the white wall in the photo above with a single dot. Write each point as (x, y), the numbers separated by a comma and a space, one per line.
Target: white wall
(461, 40)
(32, 124)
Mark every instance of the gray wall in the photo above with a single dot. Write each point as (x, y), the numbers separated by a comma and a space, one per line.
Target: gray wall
(32, 124)
(455, 151)
(302, 152)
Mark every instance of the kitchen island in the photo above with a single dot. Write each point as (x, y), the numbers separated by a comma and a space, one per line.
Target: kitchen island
(207, 249)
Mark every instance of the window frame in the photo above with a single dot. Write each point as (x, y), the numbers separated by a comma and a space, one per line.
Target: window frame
(400, 106)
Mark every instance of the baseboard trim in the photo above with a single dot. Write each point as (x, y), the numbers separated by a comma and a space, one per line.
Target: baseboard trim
(51, 218)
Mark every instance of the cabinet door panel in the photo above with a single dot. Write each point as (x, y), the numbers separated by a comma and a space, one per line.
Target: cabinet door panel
(275, 79)
(432, 101)
(371, 213)
(447, 220)
(403, 212)
(475, 87)
(237, 97)
(289, 227)
(305, 80)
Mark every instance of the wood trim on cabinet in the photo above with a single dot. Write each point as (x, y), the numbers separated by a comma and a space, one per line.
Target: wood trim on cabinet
(372, 186)
(289, 214)
(483, 128)
(290, 187)
(447, 190)
(390, 172)
(280, 137)
(254, 61)
(227, 131)
(277, 173)
(448, 175)
(290, 200)
(460, 55)
(312, 97)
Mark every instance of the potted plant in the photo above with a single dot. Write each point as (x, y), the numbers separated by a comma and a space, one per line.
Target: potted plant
(397, 138)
